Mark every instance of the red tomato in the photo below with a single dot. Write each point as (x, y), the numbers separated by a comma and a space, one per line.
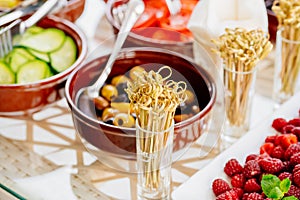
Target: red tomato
(154, 12)
(179, 22)
(146, 19)
(176, 22)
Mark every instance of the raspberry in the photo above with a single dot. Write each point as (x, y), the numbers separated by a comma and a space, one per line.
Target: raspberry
(293, 191)
(245, 196)
(296, 178)
(271, 165)
(296, 168)
(220, 186)
(278, 152)
(278, 124)
(295, 158)
(228, 195)
(266, 148)
(238, 181)
(278, 140)
(239, 192)
(254, 196)
(287, 129)
(296, 131)
(287, 167)
(285, 175)
(251, 157)
(293, 148)
(251, 185)
(271, 138)
(252, 169)
(233, 167)
(294, 122)
(288, 139)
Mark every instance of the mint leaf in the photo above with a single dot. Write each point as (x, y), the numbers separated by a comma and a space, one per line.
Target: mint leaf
(269, 182)
(285, 185)
(275, 193)
(290, 198)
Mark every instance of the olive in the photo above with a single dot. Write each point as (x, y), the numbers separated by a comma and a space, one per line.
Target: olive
(109, 113)
(119, 79)
(180, 118)
(133, 73)
(120, 98)
(181, 108)
(100, 103)
(123, 107)
(124, 120)
(109, 121)
(195, 109)
(121, 88)
(108, 91)
(190, 97)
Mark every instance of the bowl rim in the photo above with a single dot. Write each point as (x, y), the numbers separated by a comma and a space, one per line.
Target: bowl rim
(140, 37)
(211, 86)
(62, 75)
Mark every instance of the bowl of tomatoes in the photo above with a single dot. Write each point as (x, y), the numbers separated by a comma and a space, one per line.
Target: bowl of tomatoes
(157, 27)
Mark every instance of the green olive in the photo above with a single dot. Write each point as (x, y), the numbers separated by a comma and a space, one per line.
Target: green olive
(190, 97)
(119, 79)
(108, 91)
(109, 113)
(182, 117)
(195, 109)
(123, 107)
(124, 120)
(100, 103)
(133, 73)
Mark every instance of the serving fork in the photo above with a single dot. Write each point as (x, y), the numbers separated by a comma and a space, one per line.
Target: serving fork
(19, 26)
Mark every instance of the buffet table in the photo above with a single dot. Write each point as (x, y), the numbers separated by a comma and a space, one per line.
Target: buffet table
(42, 153)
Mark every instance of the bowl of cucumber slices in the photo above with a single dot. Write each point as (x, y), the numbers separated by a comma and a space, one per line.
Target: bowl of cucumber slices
(33, 74)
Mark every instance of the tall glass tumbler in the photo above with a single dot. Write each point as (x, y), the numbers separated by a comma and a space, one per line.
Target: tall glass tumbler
(239, 86)
(287, 65)
(154, 160)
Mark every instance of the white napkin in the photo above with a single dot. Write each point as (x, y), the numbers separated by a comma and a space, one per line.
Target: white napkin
(210, 18)
(49, 186)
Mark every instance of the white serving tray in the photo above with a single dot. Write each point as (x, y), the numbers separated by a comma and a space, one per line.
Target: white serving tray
(199, 185)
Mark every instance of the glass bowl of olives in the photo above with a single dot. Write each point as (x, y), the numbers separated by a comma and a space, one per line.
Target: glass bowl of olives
(106, 123)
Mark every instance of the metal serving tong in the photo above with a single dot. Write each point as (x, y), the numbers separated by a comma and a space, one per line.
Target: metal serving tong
(19, 26)
(16, 13)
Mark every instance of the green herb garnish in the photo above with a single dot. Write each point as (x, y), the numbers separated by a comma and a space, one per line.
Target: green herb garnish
(274, 188)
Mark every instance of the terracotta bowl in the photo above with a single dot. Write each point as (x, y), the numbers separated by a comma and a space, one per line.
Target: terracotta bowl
(24, 99)
(115, 145)
(144, 36)
(72, 11)
(272, 19)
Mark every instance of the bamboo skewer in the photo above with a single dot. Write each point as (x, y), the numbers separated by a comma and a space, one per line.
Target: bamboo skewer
(154, 100)
(288, 15)
(240, 50)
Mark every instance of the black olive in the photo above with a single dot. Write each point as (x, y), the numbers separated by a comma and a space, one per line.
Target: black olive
(120, 98)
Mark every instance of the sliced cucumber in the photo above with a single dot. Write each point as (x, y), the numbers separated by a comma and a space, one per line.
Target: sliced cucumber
(40, 55)
(65, 56)
(34, 30)
(33, 71)
(28, 33)
(18, 57)
(47, 40)
(6, 75)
